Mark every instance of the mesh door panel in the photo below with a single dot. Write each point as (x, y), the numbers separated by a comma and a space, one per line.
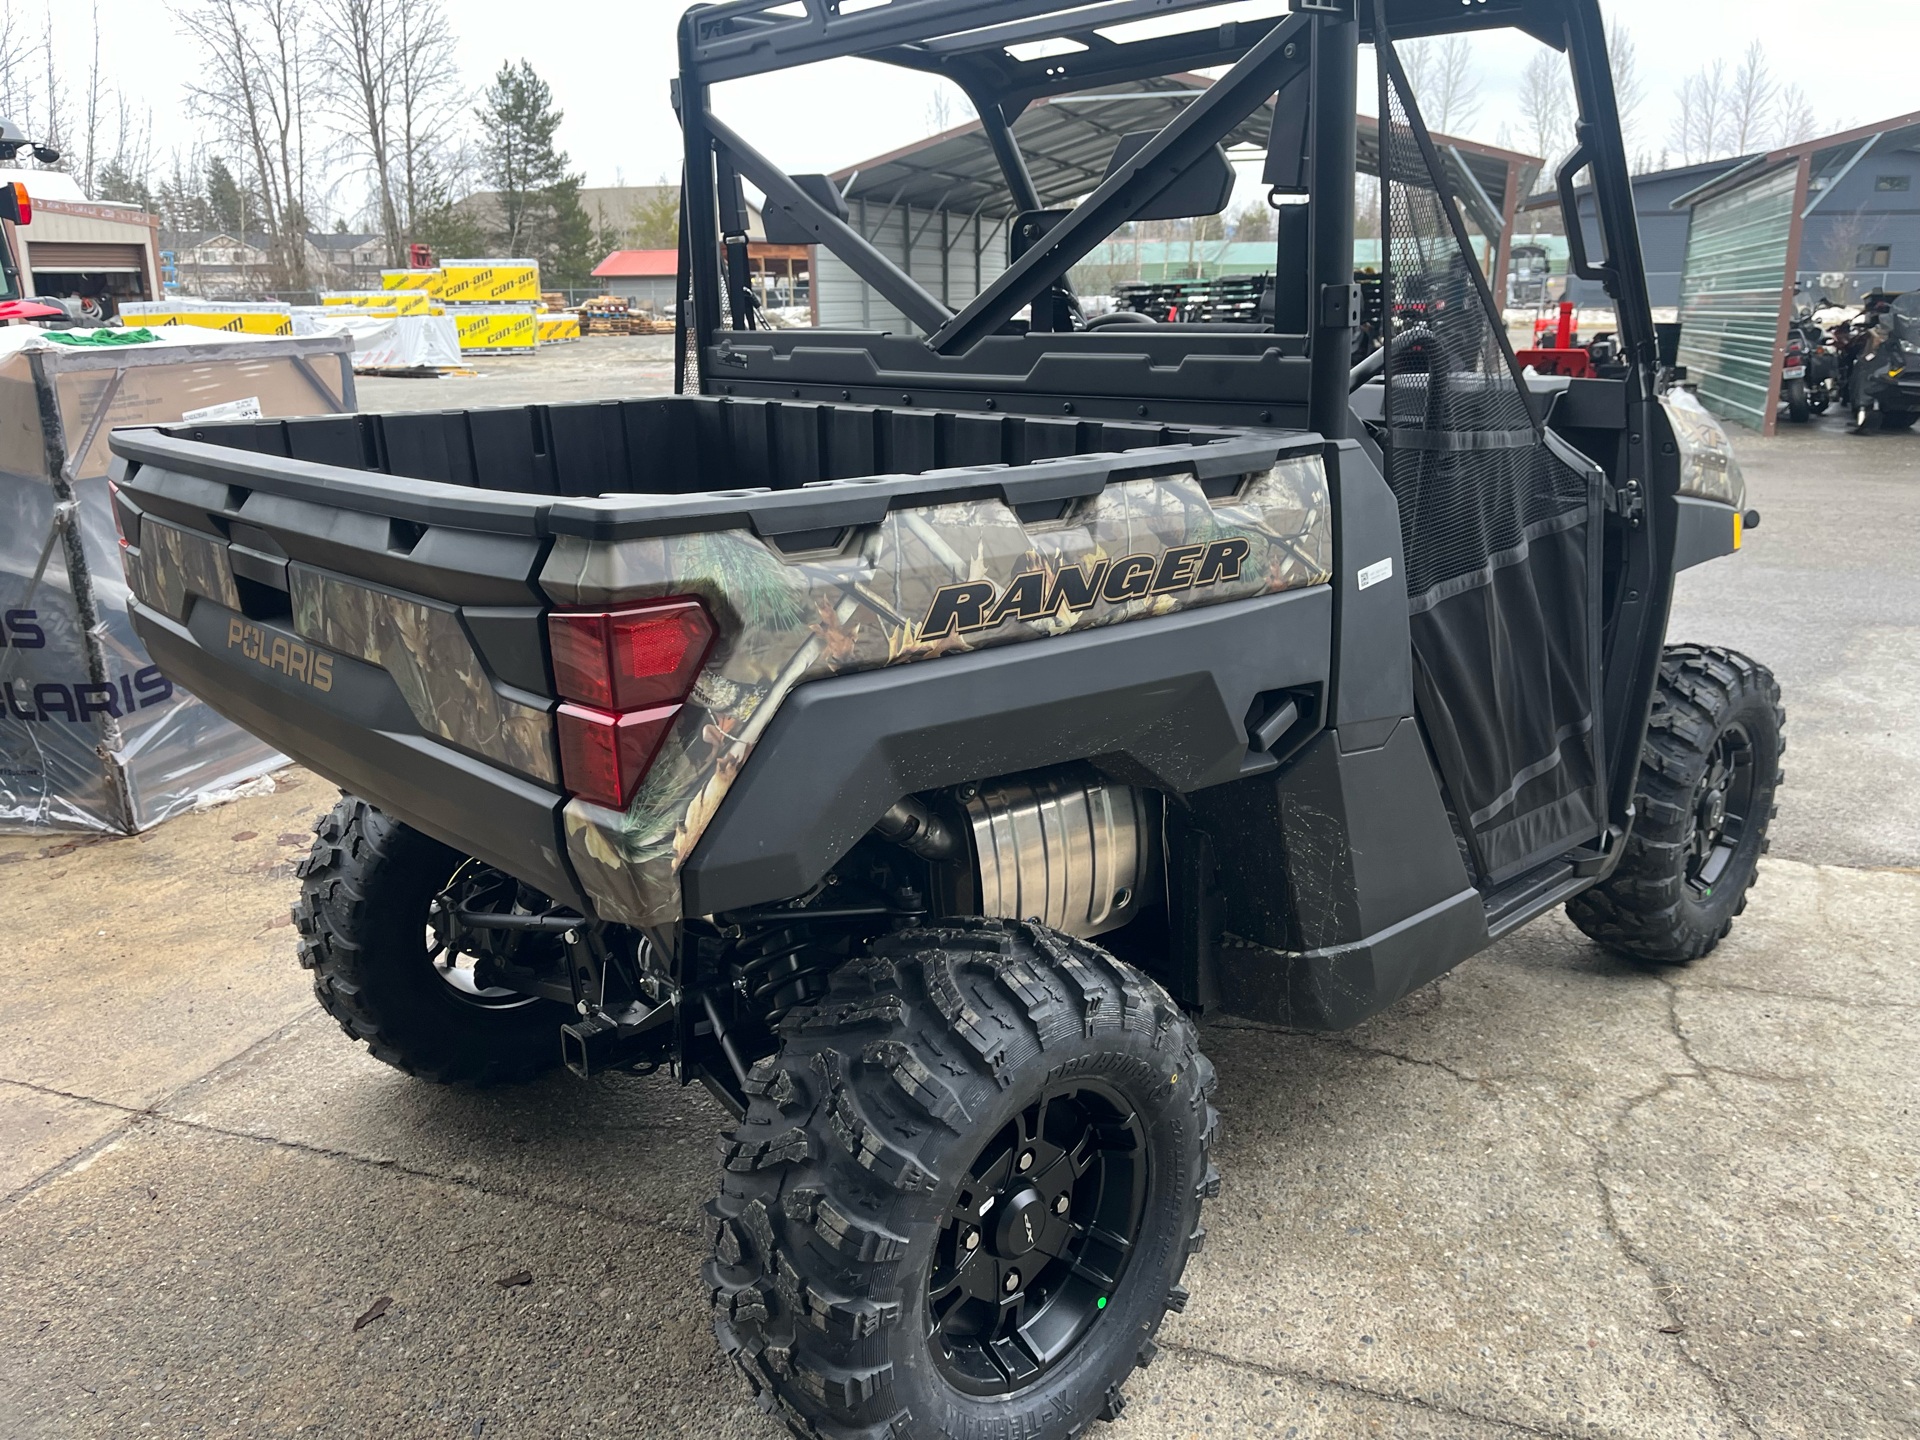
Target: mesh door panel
(1498, 524)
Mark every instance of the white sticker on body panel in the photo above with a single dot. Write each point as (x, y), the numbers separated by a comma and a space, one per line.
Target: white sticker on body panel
(1375, 574)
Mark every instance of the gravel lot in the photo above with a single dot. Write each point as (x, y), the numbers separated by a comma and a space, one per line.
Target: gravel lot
(1553, 1195)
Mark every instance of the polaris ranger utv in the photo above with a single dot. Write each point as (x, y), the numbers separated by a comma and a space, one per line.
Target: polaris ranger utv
(804, 730)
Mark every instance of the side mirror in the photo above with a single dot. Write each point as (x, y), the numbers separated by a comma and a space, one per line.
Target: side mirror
(1667, 333)
(1203, 188)
(15, 204)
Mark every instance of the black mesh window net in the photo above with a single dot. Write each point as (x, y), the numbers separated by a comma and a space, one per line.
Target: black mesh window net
(1499, 521)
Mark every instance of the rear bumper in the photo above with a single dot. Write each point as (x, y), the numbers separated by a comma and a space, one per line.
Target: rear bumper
(361, 734)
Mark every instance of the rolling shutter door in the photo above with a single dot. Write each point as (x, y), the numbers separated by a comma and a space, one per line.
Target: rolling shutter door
(61, 256)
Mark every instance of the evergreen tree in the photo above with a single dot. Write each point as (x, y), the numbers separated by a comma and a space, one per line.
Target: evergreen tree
(229, 206)
(540, 214)
(114, 181)
(656, 219)
(574, 247)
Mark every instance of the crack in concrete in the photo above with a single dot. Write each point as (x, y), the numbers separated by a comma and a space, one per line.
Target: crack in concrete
(132, 1112)
(136, 1115)
(1844, 1004)
(1343, 1042)
(1354, 1387)
(1667, 1291)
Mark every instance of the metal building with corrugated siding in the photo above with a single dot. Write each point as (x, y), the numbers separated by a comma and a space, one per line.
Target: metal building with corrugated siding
(1830, 219)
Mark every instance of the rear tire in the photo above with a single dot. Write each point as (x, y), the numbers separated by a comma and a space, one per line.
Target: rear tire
(1900, 422)
(1709, 773)
(1799, 407)
(857, 1234)
(362, 917)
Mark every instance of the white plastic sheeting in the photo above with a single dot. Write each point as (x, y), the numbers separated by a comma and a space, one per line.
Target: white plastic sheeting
(386, 342)
(92, 735)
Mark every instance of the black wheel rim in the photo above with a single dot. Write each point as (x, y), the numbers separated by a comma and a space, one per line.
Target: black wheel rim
(459, 957)
(1037, 1240)
(1722, 809)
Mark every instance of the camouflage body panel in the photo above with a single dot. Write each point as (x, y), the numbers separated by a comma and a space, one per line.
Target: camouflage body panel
(945, 579)
(426, 650)
(173, 564)
(1708, 470)
(421, 645)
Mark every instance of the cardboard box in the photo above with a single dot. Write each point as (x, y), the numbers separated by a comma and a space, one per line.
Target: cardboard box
(557, 329)
(501, 328)
(492, 282)
(235, 321)
(432, 281)
(382, 302)
(93, 737)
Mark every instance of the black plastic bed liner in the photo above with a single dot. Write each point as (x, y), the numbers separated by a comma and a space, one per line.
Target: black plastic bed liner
(625, 469)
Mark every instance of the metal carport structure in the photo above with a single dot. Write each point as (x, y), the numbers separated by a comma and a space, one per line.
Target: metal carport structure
(1756, 227)
(940, 206)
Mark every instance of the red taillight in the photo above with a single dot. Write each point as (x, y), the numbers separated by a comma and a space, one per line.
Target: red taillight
(625, 672)
(632, 658)
(603, 756)
(19, 205)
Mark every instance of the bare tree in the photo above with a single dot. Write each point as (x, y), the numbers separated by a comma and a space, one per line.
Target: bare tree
(1456, 93)
(1700, 131)
(393, 93)
(939, 111)
(1629, 90)
(355, 55)
(1546, 109)
(256, 67)
(1794, 121)
(93, 119)
(431, 103)
(1750, 103)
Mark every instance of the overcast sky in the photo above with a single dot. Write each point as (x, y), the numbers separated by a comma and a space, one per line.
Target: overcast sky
(609, 62)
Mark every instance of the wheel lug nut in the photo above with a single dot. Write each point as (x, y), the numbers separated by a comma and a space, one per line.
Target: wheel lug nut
(1060, 1206)
(1026, 1162)
(1012, 1282)
(972, 1242)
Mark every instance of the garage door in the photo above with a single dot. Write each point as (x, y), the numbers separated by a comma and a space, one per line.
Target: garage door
(59, 256)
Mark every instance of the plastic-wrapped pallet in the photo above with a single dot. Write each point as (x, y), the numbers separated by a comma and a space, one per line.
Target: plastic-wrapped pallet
(92, 735)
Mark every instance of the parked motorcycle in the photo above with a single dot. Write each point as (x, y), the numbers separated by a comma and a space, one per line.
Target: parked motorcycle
(1810, 372)
(1884, 383)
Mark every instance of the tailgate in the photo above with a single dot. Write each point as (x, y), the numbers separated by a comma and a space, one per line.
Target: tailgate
(391, 638)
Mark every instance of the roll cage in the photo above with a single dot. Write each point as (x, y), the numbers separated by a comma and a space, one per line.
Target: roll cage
(1305, 56)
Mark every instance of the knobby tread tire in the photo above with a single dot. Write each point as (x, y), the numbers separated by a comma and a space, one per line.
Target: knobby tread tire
(361, 917)
(858, 1129)
(1647, 909)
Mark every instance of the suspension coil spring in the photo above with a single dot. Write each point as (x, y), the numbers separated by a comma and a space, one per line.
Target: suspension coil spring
(780, 965)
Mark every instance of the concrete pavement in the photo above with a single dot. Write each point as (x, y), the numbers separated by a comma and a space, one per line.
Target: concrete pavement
(1553, 1195)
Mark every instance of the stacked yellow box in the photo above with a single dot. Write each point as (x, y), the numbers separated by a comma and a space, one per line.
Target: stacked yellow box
(383, 302)
(499, 329)
(240, 319)
(557, 329)
(433, 282)
(491, 282)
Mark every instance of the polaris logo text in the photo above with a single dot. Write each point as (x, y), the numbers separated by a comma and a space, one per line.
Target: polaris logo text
(277, 652)
(977, 605)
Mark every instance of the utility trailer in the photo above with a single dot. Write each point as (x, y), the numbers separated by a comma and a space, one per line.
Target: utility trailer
(803, 731)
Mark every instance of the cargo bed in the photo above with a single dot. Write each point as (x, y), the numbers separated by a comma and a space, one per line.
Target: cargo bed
(416, 557)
